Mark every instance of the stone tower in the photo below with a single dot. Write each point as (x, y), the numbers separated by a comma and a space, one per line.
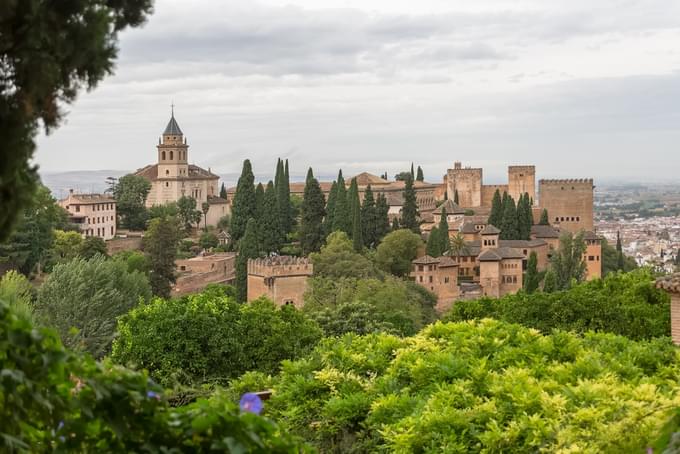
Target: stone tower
(468, 183)
(522, 179)
(569, 203)
(173, 151)
(283, 279)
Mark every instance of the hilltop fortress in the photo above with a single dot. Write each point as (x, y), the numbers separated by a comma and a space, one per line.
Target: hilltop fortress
(569, 202)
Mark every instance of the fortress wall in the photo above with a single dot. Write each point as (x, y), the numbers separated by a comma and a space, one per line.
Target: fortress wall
(569, 203)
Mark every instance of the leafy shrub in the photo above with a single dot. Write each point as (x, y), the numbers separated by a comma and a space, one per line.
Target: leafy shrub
(622, 303)
(16, 291)
(52, 400)
(89, 295)
(365, 306)
(484, 386)
(209, 337)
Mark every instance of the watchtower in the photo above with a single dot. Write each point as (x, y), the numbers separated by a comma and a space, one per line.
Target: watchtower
(283, 279)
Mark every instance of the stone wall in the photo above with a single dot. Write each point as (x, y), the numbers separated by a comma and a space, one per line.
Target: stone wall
(130, 243)
(569, 203)
(282, 279)
(488, 190)
(521, 180)
(593, 259)
(468, 183)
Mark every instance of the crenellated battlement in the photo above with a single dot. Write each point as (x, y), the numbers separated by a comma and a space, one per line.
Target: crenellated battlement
(526, 169)
(572, 181)
(279, 266)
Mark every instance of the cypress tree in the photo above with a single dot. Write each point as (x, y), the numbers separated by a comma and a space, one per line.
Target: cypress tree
(409, 211)
(353, 199)
(247, 249)
(509, 227)
(420, 176)
(286, 182)
(369, 219)
(312, 213)
(444, 240)
(456, 199)
(545, 220)
(357, 239)
(382, 224)
(259, 199)
(277, 174)
(523, 222)
(342, 217)
(270, 235)
(244, 204)
(413, 175)
(550, 282)
(223, 192)
(433, 247)
(330, 209)
(283, 200)
(496, 215)
(528, 207)
(395, 224)
(532, 278)
(620, 261)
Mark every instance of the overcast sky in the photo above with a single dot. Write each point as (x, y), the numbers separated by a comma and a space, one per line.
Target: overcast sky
(581, 88)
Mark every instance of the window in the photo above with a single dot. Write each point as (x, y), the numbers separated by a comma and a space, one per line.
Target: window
(591, 258)
(430, 279)
(167, 172)
(111, 230)
(446, 280)
(525, 252)
(172, 155)
(420, 278)
(77, 208)
(163, 156)
(420, 267)
(167, 185)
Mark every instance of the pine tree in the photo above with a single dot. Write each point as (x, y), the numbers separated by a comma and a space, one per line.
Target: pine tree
(509, 227)
(382, 224)
(433, 247)
(444, 239)
(409, 211)
(357, 239)
(269, 226)
(247, 249)
(523, 222)
(532, 278)
(620, 260)
(243, 205)
(496, 215)
(456, 198)
(312, 215)
(545, 220)
(420, 176)
(342, 217)
(223, 192)
(353, 199)
(330, 209)
(550, 282)
(369, 219)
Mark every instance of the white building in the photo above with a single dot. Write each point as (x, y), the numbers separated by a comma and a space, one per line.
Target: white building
(95, 214)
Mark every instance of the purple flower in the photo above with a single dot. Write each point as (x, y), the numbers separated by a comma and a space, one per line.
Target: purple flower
(152, 395)
(251, 403)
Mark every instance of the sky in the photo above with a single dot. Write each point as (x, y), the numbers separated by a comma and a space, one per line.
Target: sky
(580, 88)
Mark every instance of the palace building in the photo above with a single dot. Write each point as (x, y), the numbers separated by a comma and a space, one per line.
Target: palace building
(173, 177)
(94, 214)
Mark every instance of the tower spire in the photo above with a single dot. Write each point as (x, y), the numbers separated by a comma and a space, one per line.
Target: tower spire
(172, 108)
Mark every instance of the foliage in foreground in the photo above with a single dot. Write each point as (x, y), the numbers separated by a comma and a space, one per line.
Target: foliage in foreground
(52, 400)
(210, 337)
(623, 303)
(483, 386)
(89, 295)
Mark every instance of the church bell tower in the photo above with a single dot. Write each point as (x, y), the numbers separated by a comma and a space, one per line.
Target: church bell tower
(173, 159)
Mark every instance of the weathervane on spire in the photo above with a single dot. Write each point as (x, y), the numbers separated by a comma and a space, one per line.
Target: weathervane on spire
(172, 108)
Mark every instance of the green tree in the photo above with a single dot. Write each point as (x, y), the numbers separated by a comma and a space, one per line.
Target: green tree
(397, 250)
(524, 214)
(420, 176)
(620, 262)
(165, 210)
(187, 213)
(545, 220)
(247, 249)
(160, 244)
(269, 224)
(550, 282)
(205, 207)
(93, 246)
(259, 200)
(329, 220)
(89, 295)
(433, 248)
(402, 176)
(444, 239)
(568, 261)
(357, 225)
(409, 211)
(17, 292)
(49, 53)
(223, 192)
(532, 278)
(312, 214)
(134, 261)
(243, 205)
(338, 259)
(282, 188)
(130, 193)
(30, 246)
(509, 227)
(208, 240)
(352, 200)
(369, 219)
(413, 174)
(610, 260)
(342, 220)
(496, 216)
(66, 246)
(456, 198)
(382, 210)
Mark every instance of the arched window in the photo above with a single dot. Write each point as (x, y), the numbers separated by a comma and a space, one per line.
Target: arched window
(167, 172)
(163, 156)
(171, 155)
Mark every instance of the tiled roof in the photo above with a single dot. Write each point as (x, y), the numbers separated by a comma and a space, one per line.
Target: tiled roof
(490, 230)
(214, 200)
(468, 227)
(425, 260)
(172, 129)
(451, 208)
(447, 262)
(150, 172)
(519, 244)
(86, 199)
(670, 283)
(588, 235)
(473, 248)
(544, 231)
(365, 178)
(498, 254)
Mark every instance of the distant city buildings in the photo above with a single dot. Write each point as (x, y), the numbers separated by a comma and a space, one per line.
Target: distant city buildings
(94, 214)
